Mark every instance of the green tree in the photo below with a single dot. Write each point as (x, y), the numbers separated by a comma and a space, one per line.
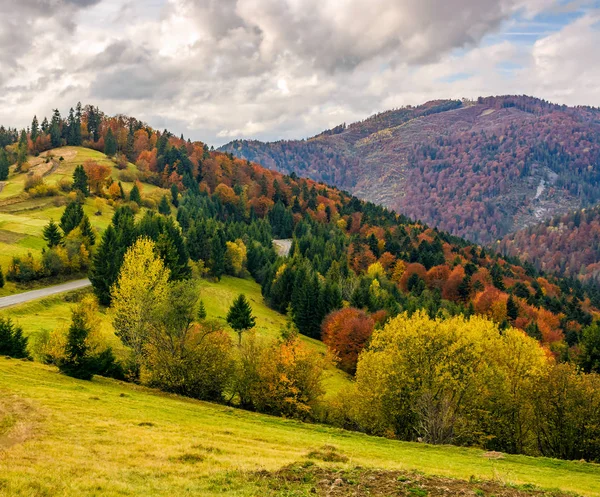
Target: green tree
(35, 129)
(77, 361)
(163, 206)
(52, 234)
(80, 180)
(201, 311)
(175, 195)
(512, 309)
(12, 341)
(217, 252)
(134, 195)
(4, 164)
(590, 344)
(240, 316)
(1, 278)
(86, 230)
(22, 150)
(55, 129)
(105, 269)
(110, 143)
(72, 217)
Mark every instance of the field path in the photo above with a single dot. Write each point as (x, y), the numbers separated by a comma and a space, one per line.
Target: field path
(21, 298)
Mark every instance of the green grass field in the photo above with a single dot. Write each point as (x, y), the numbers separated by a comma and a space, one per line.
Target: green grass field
(71, 438)
(22, 218)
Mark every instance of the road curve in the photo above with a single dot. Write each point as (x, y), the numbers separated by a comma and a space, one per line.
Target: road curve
(21, 298)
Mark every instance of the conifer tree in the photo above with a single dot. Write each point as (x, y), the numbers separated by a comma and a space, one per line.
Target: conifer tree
(218, 249)
(77, 361)
(105, 269)
(175, 195)
(80, 180)
(512, 309)
(71, 218)
(163, 206)
(12, 341)
(22, 150)
(52, 234)
(35, 129)
(55, 129)
(134, 195)
(201, 311)
(110, 143)
(1, 278)
(86, 230)
(240, 316)
(4, 164)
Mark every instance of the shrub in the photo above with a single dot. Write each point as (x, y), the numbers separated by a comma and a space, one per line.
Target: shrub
(33, 181)
(65, 184)
(43, 190)
(127, 176)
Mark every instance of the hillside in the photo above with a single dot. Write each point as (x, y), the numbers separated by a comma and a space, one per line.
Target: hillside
(567, 244)
(478, 169)
(60, 436)
(23, 216)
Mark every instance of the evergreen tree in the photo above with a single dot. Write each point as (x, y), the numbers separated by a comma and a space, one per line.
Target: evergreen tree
(71, 218)
(76, 131)
(4, 164)
(22, 150)
(1, 278)
(86, 230)
(201, 311)
(110, 143)
(533, 331)
(77, 361)
(175, 195)
(240, 316)
(107, 262)
(134, 195)
(52, 234)
(217, 251)
(589, 359)
(163, 206)
(122, 191)
(35, 129)
(80, 180)
(55, 129)
(12, 341)
(512, 309)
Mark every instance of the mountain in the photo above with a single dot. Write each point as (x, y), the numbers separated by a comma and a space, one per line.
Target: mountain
(568, 245)
(478, 169)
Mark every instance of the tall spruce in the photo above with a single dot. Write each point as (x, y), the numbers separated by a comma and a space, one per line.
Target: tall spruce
(1, 278)
(52, 234)
(77, 361)
(163, 206)
(80, 180)
(135, 196)
(12, 341)
(86, 230)
(240, 316)
(4, 164)
(110, 143)
(107, 262)
(72, 217)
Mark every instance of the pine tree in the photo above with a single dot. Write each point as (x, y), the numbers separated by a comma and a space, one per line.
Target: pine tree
(134, 195)
(55, 129)
(1, 278)
(107, 262)
(71, 218)
(122, 191)
(240, 316)
(80, 180)
(22, 150)
(77, 361)
(4, 164)
(163, 206)
(12, 341)
(35, 129)
(175, 195)
(512, 309)
(110, 143)
(52, 234)
(201, 311)
(217, 253)
(86, 230)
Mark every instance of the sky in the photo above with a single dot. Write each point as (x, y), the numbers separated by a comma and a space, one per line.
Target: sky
(217, 70)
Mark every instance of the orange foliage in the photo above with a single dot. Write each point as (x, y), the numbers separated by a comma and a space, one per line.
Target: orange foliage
(450, 289)
(346, 332)
(97, 175)
(413, 268)
(491, 303)
(437, 276)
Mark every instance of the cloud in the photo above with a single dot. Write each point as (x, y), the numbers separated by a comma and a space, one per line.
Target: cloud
(220, 69)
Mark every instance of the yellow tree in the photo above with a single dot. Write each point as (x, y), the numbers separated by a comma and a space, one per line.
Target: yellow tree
(141, 287)
(235, 257)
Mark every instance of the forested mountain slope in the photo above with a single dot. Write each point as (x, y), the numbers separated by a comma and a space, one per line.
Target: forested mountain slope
(478, 169)
(567, 244)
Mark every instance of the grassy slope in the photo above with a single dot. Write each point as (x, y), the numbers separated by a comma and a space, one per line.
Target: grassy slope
(22, 218)
(55, 312)
(108, 438)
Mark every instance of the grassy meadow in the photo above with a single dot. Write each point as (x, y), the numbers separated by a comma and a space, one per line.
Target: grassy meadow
(61, 436)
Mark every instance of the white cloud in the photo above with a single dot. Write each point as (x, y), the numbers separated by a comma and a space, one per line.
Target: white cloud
(220, 69)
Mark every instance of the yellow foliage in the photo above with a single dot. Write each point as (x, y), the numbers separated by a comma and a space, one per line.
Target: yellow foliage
(376, 270)
(235, 257)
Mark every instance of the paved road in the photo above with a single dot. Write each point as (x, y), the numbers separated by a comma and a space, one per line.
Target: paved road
(21, 298)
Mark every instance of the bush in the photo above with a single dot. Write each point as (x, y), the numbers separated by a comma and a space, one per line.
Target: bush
(65, 184)
(33, 181)
(127, 176)
(43, 190)
(148, 203)
(24, 269)
(282, 378)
